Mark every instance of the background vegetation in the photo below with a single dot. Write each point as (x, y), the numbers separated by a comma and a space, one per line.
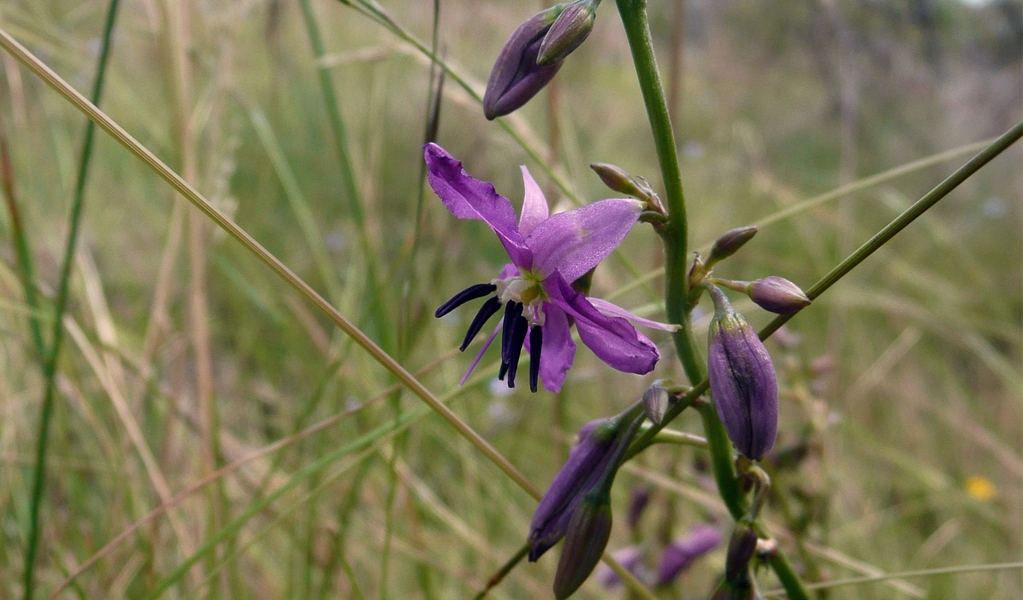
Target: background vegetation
(183, 353)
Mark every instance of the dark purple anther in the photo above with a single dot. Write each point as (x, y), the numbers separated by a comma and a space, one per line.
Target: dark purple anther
(488, 309)
(535, 344)
(512, 311)
(778, 295)
(518, 336)
(742, 380)
(681, 553)
(470, 293)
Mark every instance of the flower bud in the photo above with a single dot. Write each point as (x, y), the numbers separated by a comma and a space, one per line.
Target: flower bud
(587, 536)
(570, 30)
(777, 294)
(516, 76)
(655, 403)
(680, 554)
(743, 384)
(618, 180)
(592, 461)
(741, 547)
(730, 242)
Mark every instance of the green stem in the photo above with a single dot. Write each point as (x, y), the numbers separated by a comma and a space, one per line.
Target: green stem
(50, 366)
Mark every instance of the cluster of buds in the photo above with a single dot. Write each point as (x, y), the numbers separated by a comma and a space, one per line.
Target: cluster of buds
(577, 506)
(534, 53)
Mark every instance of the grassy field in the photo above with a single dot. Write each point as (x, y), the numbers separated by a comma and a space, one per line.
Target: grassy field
(183, 353)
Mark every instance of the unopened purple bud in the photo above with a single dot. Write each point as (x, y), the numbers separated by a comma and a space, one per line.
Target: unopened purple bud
(741, 547)
(586, 463)
(729, 242)
(638, 501)
(778, 295)
(587, 536)
(570, 30)
(516, 76)
(743, 384)
(681, 553)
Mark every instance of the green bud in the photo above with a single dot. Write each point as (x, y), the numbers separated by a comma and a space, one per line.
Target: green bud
(619, 180)
(571, 29)
(588, 533)
(730, 242)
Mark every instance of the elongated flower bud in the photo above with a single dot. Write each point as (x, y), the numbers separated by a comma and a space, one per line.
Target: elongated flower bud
(588, 533)
(618, 180)
(730, 242)
(516, 76)
(743, 384)
(777, 294)
(570, 30)
(586, 463)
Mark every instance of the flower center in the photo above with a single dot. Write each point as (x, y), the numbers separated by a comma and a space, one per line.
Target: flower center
(527, 290)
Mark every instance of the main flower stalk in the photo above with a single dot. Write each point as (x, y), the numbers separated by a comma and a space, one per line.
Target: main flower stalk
(678, 301)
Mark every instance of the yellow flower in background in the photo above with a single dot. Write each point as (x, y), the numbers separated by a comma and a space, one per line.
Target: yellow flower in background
(980, 488)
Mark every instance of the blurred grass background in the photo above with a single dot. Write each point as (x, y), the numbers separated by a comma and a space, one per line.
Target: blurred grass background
(903, 384)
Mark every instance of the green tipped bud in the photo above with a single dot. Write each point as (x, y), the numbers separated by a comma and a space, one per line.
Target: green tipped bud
(588, 533)
(730, 242)
(740, 551)
(778, 295)
(571, 29)
(618, 180)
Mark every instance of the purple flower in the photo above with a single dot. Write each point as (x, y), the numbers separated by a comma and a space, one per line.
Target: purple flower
(743, 384)
(680, 554)
(547, 253)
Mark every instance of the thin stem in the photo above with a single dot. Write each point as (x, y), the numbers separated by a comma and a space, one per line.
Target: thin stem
(21, 247)
(50, 365)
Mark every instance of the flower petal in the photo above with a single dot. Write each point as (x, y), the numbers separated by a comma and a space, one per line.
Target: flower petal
(613, 339)
(469, 198)
(617, 311)
(574, 242)
(534, 205)
(558, 348)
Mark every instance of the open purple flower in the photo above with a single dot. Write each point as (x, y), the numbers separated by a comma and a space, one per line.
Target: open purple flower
(547, 253)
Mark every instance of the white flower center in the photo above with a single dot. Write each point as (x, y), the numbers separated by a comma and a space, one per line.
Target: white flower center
(528, 291)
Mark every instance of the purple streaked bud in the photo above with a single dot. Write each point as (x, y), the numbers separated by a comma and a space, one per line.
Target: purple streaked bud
(587, 536)
(743, 384)
(586, 464)
(655, 403)
(741, 547)
(638, 500)
(681, 553)
(730, 242)
(516, 76)
(777, 294)
(629, 557)
(571, 29)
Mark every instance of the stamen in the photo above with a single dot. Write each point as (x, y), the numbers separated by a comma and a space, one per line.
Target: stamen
(486, 311)
(518, 336)
(470, 293)
(535, 342)
(512, 312)
(504, 371)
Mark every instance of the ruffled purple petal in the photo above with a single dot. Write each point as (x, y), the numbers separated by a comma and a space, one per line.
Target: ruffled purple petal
(617, 311)
(534, 205)
(613, 339)
(469, 198)
(574, 242)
